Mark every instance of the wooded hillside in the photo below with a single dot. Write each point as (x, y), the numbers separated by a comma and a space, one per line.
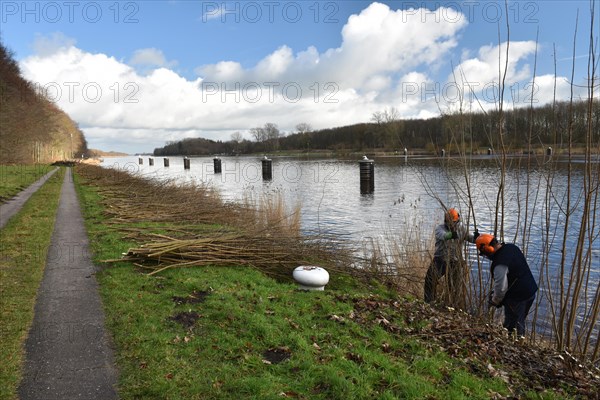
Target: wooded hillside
(32, 128)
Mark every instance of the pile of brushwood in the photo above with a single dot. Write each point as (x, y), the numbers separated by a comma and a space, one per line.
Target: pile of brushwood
(242, 237)
(223, 249)
(199, 229)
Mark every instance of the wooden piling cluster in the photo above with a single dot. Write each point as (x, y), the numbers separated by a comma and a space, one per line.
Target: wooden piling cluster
(367, 169)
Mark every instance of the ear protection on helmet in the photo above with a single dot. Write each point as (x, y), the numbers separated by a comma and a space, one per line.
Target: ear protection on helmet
(485, 244)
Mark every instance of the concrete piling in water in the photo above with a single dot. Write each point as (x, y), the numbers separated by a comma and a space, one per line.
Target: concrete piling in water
(267, 168)
(217, 165)
(166, 162)
(367, 175)
(186, 163)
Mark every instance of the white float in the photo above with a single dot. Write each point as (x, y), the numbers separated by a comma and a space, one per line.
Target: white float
(311, 277)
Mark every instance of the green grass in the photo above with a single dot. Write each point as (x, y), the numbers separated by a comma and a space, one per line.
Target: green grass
(14, 178)
(243, 316)
(24, 243)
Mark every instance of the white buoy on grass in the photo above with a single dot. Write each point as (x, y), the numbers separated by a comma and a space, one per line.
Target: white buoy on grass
(310, 277)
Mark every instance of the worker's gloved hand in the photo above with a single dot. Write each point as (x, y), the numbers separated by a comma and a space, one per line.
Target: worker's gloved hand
(491, 302)
(475, 234)
(454, 234)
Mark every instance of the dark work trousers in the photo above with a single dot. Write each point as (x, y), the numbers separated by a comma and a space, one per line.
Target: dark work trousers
(437, 269)
(515, 313)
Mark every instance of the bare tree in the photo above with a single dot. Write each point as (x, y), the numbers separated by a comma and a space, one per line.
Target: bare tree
(389, 124)
(258, 134)
(303, 127)
(386, 116)
(377, 117)
(236, 137)
(271, 131)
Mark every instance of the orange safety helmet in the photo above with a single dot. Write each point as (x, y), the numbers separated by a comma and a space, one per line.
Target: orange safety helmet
(452, 215)
(485, 244)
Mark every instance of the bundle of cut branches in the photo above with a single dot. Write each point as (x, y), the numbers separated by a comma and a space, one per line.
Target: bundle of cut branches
(268, 239)
(274, 256)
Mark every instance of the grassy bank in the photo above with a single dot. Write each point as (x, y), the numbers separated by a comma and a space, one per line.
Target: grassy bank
(24, 244)
(217, 332)
(14, 178)
(225, 332)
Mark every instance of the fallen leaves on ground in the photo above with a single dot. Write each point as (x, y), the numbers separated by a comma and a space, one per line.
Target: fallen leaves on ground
(486, 349)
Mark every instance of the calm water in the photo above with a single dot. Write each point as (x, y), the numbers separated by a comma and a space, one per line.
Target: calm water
(405, 198)
(328, 190)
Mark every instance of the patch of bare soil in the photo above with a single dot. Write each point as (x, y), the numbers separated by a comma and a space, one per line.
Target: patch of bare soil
(196, 297)
(276, 355)
(185, 318)
(485, 349)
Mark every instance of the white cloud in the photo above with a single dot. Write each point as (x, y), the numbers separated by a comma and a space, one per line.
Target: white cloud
(48, 45)
(490, 64)
(480, 77)
(150, 57)
(387, 58)
(276, 64)
(229, 71)
(377, 42)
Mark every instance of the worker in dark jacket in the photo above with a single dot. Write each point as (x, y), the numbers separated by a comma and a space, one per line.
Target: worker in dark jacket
(514, 284)
(449, 237)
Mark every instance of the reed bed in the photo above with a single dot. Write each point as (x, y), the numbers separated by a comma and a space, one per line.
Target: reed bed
(129, 199)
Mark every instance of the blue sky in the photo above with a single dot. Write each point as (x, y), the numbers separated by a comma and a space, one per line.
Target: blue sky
(135, 74)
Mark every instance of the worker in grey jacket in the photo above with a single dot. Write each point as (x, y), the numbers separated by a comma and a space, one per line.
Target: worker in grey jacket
(449, 237)
(514, 284)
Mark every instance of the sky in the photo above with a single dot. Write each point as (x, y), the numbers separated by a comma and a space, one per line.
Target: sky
(138, 74)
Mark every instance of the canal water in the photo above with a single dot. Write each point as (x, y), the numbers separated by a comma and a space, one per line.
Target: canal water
(407, 197)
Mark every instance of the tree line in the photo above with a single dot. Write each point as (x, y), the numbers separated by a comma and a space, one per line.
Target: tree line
(32, 128)
(522, 128)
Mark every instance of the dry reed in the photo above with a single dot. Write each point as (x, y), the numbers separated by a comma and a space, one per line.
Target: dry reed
(262, 235)
(400, 261)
